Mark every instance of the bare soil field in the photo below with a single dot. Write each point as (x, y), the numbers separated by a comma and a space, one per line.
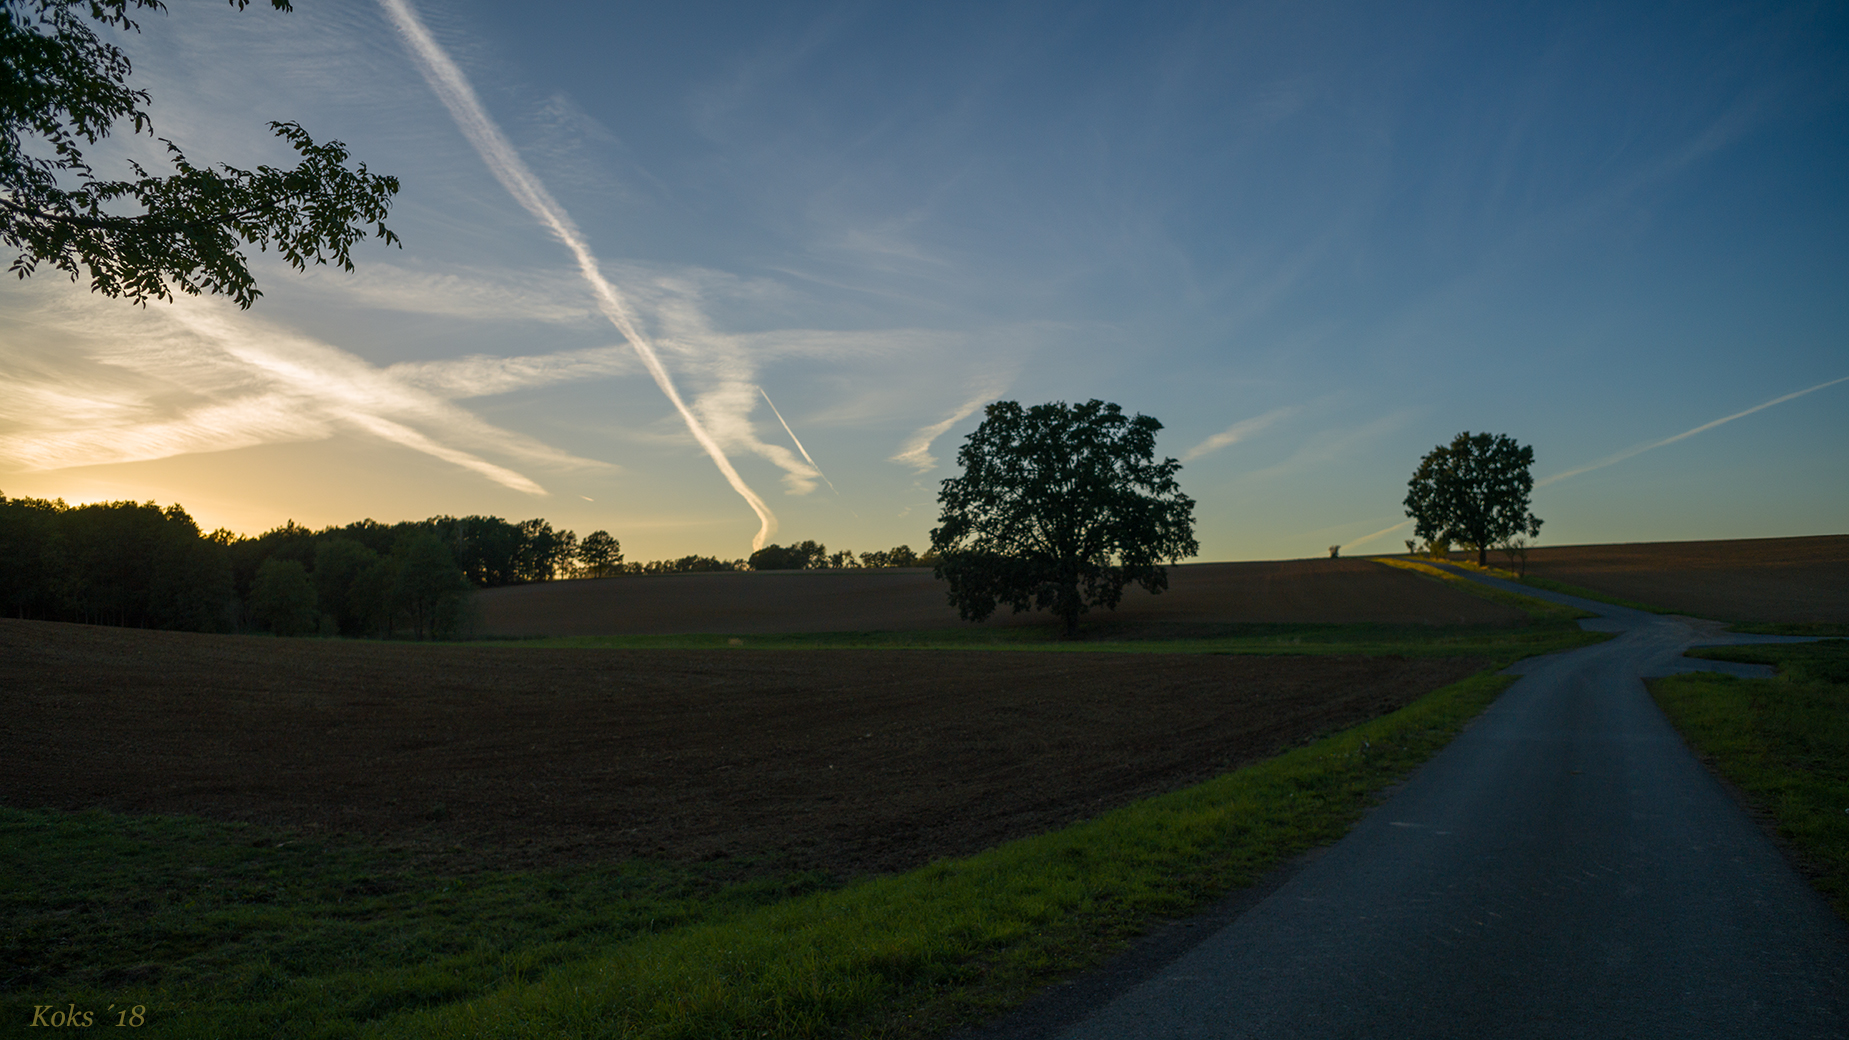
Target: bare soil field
(848, 761)
(1320, 590)
(1748, 580)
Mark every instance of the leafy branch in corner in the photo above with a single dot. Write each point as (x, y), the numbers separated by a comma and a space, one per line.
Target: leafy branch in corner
(63, 88)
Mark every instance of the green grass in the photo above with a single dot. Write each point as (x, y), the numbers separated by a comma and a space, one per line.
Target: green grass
(237, 931)
(1537, 609)
(1771, 628)
(1794, 628)
(1593, 594)
(225, 931)
(1535, 582)
(1783, 742)
(955, 941)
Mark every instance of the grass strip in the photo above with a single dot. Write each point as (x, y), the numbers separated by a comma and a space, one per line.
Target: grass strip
(1314, 639)
(1537, 609)
(1562, 587)
(956, 941)
(219, 929)
(1593, 594)
(1783, 742)
(1824, 629)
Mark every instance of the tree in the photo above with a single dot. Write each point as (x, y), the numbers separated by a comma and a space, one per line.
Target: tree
(799, 556)
(1516, 549)
(431, 588)
(600, 555)
(339, 563)
(543, 551)
(1059, 506)
(1473, 492)
(282, 598)
(62, 89)
(190, 587)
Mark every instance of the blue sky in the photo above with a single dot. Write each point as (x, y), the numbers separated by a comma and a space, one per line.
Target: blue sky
(1314, 240)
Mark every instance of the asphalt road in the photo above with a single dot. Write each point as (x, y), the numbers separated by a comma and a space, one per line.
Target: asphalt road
(1566, 868)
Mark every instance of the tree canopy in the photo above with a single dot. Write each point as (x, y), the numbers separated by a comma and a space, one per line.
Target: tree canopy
(62, 88)
(1059, 507)
(1474, 492)
(797, 556)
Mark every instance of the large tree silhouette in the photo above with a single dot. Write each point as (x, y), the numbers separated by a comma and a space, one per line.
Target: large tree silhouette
(1474, 491)
(1059, 507)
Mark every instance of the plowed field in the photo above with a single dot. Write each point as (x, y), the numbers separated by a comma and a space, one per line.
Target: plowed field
(850, 761)
(1337, 591)
(1748, 579)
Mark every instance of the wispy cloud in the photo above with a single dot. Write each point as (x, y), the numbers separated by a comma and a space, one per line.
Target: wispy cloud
(1704, 427)
(454, 90)
(1239, 431)
(1382, 533)
(1329, 445)
(482, 376)
(916, 451)
(198, 376)
(552, 297)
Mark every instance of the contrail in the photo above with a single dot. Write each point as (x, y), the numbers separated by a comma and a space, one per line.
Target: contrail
(1239, 431)
(916, 451)
(799, 444)
(1366, 538)
(453, 89)
(1641, 448)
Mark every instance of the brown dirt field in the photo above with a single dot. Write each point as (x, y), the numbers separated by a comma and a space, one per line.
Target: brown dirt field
(1322, 590)
(848, 761)
(1748, 580)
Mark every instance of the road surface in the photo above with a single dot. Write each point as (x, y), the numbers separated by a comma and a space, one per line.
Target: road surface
(1565, 868)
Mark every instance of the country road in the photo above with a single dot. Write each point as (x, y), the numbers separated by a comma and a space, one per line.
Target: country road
(1565, 868)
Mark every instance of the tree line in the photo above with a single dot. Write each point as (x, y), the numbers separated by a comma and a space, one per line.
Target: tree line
(811, 555)
(138, 565)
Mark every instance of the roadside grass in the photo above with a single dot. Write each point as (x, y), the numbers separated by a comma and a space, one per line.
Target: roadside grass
(1783, 742)
(1530, 580)
(1592, 594)
(221, 929)
(1538, 609)
(957, 941)
(1536, 637)
(1824, 629)
(228, 931)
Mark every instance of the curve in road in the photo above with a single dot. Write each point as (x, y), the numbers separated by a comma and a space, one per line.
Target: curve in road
(1565, 868)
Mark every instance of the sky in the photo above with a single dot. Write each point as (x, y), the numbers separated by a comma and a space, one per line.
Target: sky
(709, 274)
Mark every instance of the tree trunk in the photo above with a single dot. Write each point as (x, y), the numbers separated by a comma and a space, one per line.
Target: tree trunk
(1482, 556)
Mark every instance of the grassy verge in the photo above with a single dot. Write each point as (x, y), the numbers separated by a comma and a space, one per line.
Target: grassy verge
(1794, 628)
(1800, 628)
(1538, 609)
(955, 941)
(1407, 640)
(1784, 742)
(1593, 594)
(225, 931)
(1529, 580)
